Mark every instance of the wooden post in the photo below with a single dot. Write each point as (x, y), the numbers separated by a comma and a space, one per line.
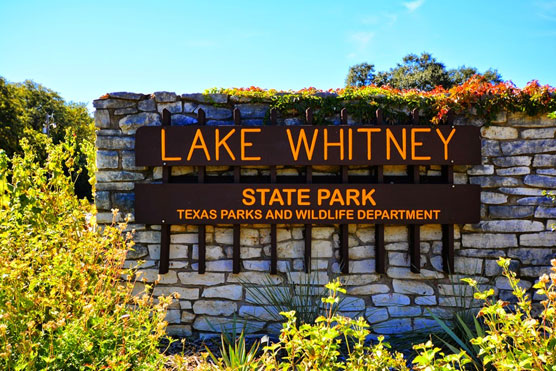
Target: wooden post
(164, 262)
(201, 119)
(237, 230)
(414, 229)
(380, 251)
(344, 228)
(309, 180)
(273, 232)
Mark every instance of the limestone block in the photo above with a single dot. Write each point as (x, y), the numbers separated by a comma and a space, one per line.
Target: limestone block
(256, 265)
(499, 132)
(185, 238)
(468, 265)
(538, 239)
(102, 118)
(508, 212)
(393, 326)
(425, 300)
(362, 266)
(130, 124)
(174, 107)
(490, 148)
(494, 181)
(521, 191)
(291, 249)
(187, 294)
(493, 198)
(405, 273)
(117, 176)
(545, 133)
(146, 237)
(207, 279)
(544, 161)
(396, 311)
(533, 256)
(113, 142)
(152, 275)
(375, 315)
(412, 287)
(531, 146)
(541, 181)
(220, 265)
(506, 226)
(511, 171)
(224, 236)
(164, 96)
(259, 313)
(173, 316)
(361, 252)
(545, 212)
(385, 300)
(358, 279)
(147, 105)
(230, 292)
(512, 161)
(215, 113)
(249, 237)
(112, 103)
(368, 289)
(257, 278)
(481, 170)
(322, 233)
(321, 249)
(214, 307)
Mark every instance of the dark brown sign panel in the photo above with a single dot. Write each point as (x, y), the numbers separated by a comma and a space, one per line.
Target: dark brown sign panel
(307, 145)
(304, 203)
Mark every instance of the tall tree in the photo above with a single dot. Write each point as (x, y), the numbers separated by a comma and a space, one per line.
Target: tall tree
(422, 72)
(360, 75)
(33, 111)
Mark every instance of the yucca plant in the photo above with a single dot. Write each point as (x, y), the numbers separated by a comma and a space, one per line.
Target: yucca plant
(234, 355)
(303, 297)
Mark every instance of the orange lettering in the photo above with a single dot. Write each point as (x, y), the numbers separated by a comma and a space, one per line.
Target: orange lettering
(202, 145)
(445, 141)
(163, 148)
(369, 132)
(219, 143)
(245, 144)
(302, 138)
(391, 139)
(333, 144)
(414, 144)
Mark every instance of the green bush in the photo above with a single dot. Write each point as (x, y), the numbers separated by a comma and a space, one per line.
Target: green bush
(29, 109)
(63, 302)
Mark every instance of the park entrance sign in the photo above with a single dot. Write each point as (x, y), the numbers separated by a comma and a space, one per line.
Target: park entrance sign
(348, 199)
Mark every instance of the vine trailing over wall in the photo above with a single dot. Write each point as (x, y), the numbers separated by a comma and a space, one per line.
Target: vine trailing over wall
(476, 96)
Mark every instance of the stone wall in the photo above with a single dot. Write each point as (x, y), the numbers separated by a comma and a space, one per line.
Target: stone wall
(519, 158)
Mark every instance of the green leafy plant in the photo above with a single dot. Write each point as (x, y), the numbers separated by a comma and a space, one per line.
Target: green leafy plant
(302, 296)
(515, 338)
(318, 345)
(235, 355)
(63, 302)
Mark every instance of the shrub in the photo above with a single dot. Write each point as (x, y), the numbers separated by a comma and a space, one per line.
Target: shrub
(516, 339)
(63, 303)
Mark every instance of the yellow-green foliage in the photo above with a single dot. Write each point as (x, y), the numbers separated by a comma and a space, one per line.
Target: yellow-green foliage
(516, 338)
(63, 304)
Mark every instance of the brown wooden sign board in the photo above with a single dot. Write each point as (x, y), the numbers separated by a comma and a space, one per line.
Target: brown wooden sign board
(304, 203)
(307, 145)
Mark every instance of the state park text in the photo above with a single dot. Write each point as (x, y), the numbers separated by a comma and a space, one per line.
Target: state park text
(304, 203)
(307, 145)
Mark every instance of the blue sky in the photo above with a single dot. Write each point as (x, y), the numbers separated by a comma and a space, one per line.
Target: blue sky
(83, 49)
